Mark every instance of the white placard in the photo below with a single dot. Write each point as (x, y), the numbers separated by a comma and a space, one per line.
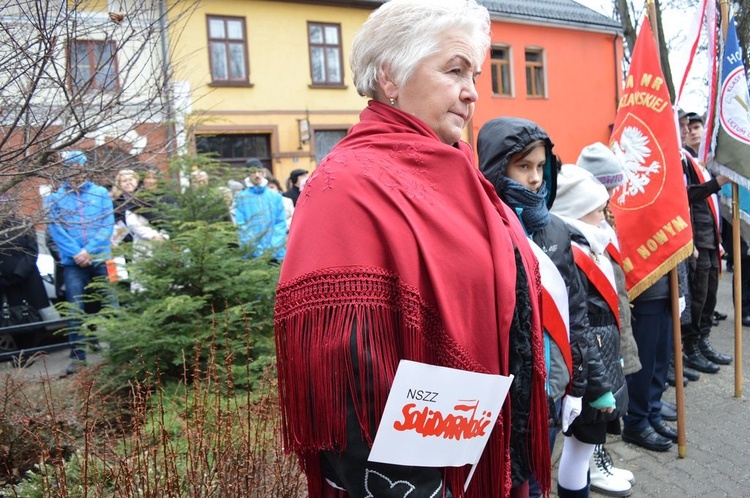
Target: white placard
(438, 416)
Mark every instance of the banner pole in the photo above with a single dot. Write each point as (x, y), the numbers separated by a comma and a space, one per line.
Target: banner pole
(674, 289)
(737, 280)
(651, 10)
(736, 256)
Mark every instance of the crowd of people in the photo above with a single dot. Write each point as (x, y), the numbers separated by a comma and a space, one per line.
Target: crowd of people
(87, 221)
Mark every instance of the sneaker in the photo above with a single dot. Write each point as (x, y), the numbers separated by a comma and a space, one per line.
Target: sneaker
(603, 477)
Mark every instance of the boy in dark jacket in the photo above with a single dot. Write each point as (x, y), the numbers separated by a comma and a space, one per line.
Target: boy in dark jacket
(706, 259)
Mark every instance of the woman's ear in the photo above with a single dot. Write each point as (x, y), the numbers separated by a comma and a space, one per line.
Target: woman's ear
(387, 86)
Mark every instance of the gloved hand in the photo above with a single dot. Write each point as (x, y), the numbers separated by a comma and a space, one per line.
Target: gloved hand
(682, 304)
(571, 408)
(605, 402)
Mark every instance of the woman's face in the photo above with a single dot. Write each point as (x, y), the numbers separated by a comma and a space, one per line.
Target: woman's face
(128, 182)
(150, 181)
(529, 170)
(595, 217)
(441, 90)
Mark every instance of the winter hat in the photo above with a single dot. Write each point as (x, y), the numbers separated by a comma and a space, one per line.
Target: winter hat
(578, 192)
(75, 157)
(694, 116)
(253, 163)
(294, 176)
(601, 162)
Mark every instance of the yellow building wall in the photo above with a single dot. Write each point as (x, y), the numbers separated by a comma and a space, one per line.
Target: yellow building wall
(279, 68)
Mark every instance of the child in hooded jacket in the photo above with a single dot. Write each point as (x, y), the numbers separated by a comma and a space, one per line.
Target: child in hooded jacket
(581, 201)
(515, 155)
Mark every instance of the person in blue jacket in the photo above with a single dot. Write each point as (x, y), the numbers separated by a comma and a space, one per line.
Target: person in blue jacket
(261, 217)
(81, 221)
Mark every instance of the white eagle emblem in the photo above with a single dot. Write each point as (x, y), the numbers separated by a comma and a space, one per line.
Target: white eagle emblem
(634, 151)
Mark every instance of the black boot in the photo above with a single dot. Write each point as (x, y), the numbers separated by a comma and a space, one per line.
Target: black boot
(693, 358)
(690, 374)
(668, 411)
(671, 376)
(711, 354)
(571, 493)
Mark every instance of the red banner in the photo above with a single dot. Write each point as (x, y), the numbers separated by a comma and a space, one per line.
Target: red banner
(651, 209)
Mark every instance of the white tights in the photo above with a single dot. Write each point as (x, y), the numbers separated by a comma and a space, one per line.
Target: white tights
(573, 469)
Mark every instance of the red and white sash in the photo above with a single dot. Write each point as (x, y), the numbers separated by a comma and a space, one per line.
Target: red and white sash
(555, 307)
(704, 176)
(614, 253)
(601, 275)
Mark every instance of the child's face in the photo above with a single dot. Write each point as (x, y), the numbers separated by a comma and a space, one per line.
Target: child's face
(595, 217)
(528, 170)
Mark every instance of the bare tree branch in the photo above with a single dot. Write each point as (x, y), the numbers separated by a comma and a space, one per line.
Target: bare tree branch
(75, 77)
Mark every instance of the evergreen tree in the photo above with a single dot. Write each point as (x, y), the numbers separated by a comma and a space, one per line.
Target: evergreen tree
(199, 291)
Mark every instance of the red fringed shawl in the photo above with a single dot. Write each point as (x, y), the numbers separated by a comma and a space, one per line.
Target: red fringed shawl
(398, 232)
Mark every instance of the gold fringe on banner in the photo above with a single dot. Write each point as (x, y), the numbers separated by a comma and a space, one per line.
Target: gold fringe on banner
(678, 257)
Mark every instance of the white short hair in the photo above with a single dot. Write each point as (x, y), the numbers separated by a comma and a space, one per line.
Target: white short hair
(402, 33)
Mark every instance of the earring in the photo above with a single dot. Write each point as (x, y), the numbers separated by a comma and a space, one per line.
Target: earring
(392, 101)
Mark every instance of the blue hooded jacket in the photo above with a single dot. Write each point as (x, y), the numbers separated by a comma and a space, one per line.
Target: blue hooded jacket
(261, 219)
(81, 218)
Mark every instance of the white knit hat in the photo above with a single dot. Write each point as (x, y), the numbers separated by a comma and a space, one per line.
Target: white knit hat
(600, 161)
(578, 192)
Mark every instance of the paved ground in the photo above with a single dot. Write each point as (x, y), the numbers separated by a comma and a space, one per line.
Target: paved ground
(717, 423)
(717, 453)
(43, 364)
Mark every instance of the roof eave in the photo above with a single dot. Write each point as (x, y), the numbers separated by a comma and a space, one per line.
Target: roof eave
(360, 4)
(556, 23)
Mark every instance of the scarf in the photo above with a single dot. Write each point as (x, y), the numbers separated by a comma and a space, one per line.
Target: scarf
(598, 237)
(399, 234)
(530, 206)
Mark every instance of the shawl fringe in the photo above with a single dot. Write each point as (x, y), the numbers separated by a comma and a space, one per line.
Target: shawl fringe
(315, 314)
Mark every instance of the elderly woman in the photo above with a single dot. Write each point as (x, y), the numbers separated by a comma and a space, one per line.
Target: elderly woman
(401, 250)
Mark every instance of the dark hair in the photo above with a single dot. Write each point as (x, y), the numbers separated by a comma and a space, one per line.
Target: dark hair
(527, 150)
(149, 168)
(692, 117)
(276, 182)
(551, 168)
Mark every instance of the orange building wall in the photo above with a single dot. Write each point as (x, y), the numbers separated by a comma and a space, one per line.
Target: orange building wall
(583, 83)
